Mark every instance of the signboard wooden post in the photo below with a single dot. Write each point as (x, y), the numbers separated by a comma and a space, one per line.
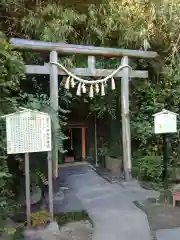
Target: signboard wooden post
(165, 122)
(29, 131)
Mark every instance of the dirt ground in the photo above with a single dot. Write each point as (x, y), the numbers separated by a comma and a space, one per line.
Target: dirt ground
(81, 230)
(160, 215)
(76, 231)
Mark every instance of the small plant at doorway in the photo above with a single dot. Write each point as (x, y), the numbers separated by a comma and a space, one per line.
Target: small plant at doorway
(40, 219)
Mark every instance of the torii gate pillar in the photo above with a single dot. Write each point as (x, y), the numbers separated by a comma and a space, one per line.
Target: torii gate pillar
(54, 96)
(126, 133)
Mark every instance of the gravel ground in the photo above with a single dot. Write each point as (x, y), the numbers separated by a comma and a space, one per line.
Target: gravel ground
(109, 175)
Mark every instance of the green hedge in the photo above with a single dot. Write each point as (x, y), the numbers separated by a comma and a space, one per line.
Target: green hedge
(149, 168)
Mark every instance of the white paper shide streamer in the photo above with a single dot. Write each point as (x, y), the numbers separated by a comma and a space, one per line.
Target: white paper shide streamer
(102, 89)
(113, 87)
(91, 91)
(78, 93)
(72, 83)
(97, 88)
(67, 83)
(83, 88)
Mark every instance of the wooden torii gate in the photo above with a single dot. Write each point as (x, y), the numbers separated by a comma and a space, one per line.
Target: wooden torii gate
(53, 71)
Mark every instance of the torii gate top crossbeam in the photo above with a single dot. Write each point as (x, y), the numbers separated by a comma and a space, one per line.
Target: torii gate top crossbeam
(64, 48)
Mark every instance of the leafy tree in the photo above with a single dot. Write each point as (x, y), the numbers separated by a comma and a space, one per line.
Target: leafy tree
(132, 24)
(11, 71)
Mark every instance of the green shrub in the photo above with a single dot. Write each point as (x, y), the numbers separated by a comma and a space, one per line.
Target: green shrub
(150, 168)
(40, 219)
(63, 218)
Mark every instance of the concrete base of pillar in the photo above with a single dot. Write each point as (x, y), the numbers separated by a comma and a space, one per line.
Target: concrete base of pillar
(128, 175)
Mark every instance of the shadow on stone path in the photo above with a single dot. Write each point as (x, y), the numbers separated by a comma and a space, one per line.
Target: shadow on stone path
(110, 206)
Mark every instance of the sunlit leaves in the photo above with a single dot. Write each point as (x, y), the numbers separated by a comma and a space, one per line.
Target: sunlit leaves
(133, 24)
(11, 70)
(52, 23)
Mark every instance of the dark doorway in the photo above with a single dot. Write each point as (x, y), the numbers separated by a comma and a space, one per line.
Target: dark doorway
(73, 145)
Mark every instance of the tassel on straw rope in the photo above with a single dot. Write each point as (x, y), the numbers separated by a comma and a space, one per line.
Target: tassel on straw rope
(102, 89)
(91, 91)
(78, 93)
(113, 86)
(67, 83)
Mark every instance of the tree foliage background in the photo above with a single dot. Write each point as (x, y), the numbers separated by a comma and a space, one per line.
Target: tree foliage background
(133, 24)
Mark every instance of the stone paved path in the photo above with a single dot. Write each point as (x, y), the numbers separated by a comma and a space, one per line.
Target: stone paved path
(110, 206)
(168, 234)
